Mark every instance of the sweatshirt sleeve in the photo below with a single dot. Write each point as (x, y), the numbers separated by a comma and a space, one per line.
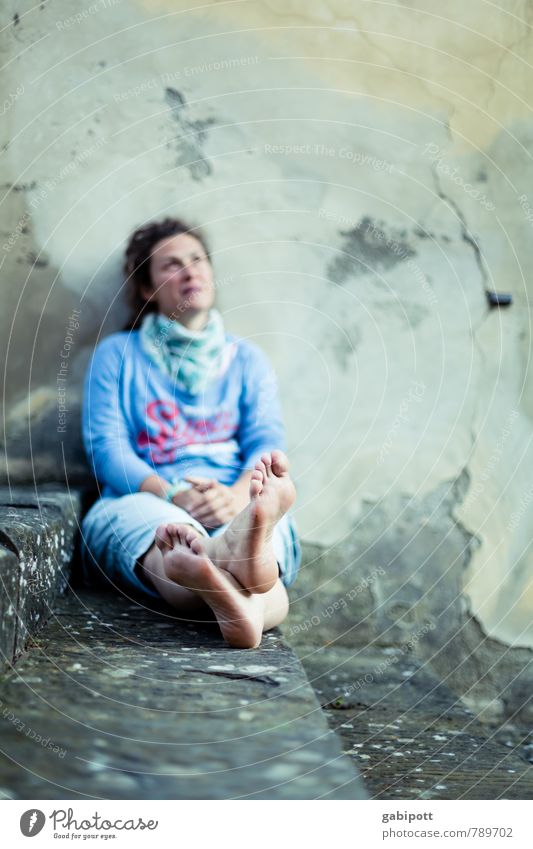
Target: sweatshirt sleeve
(106, 435)
(261, 425)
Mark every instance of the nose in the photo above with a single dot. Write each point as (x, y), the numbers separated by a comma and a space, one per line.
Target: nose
(189, 271)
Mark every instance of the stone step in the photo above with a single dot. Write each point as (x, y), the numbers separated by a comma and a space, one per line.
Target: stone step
(37, 535)
(409, 733)
(117, 701)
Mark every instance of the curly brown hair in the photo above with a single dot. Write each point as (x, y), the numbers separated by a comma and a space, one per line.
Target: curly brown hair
(137, 262)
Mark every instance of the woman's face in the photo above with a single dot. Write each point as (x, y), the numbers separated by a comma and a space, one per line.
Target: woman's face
(182, 278)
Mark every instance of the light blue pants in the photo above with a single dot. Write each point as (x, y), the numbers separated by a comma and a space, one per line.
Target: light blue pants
(116, 532)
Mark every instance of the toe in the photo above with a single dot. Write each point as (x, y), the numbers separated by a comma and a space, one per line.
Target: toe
(180, 533)
(266, 459)
(257, 476)
(162, 538)
(280, 464)
(174, 534)
(197, 545)
(191, 535)
(256, 487)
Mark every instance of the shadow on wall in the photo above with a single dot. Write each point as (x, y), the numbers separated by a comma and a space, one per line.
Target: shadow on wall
(47, 337)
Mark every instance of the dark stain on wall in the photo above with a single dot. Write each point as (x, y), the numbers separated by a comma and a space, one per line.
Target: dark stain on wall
(344, 345)
(36, 260)
(19, 187)
(192, 134)
(368, 248)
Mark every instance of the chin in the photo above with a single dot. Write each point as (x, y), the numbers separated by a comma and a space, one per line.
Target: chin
(190, 307)
(194, 305)
(199, 302)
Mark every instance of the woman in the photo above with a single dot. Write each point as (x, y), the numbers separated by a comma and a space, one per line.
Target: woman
(182, 427)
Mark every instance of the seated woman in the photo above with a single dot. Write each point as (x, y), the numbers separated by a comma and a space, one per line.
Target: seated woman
(182, 427)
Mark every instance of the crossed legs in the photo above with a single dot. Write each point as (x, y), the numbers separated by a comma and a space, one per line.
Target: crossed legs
(234, 575)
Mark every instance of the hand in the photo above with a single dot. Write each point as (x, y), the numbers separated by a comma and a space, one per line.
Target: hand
(209, 502)
(190, 500)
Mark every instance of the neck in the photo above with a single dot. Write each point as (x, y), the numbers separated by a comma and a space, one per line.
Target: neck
(192, 321)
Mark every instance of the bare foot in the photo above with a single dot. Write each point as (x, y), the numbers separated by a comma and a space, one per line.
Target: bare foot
(239, 614)
(245, 548)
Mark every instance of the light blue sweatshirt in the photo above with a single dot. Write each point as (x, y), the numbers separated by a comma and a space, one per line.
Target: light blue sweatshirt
(137, 422)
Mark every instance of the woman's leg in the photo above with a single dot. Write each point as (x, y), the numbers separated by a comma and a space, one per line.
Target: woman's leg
(236, 573)
(184, 600)
(118, 532)
(246, 548)
(185, 576)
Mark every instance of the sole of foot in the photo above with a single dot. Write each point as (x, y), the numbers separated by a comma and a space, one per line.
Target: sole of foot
(245, 549)
(186, 561)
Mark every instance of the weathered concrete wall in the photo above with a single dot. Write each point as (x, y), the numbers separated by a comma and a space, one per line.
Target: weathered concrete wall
(365, 172)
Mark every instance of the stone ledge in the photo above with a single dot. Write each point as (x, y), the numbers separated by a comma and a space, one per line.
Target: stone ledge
(37, 535)
(399, 580)
(410, 735)
(116, 701)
